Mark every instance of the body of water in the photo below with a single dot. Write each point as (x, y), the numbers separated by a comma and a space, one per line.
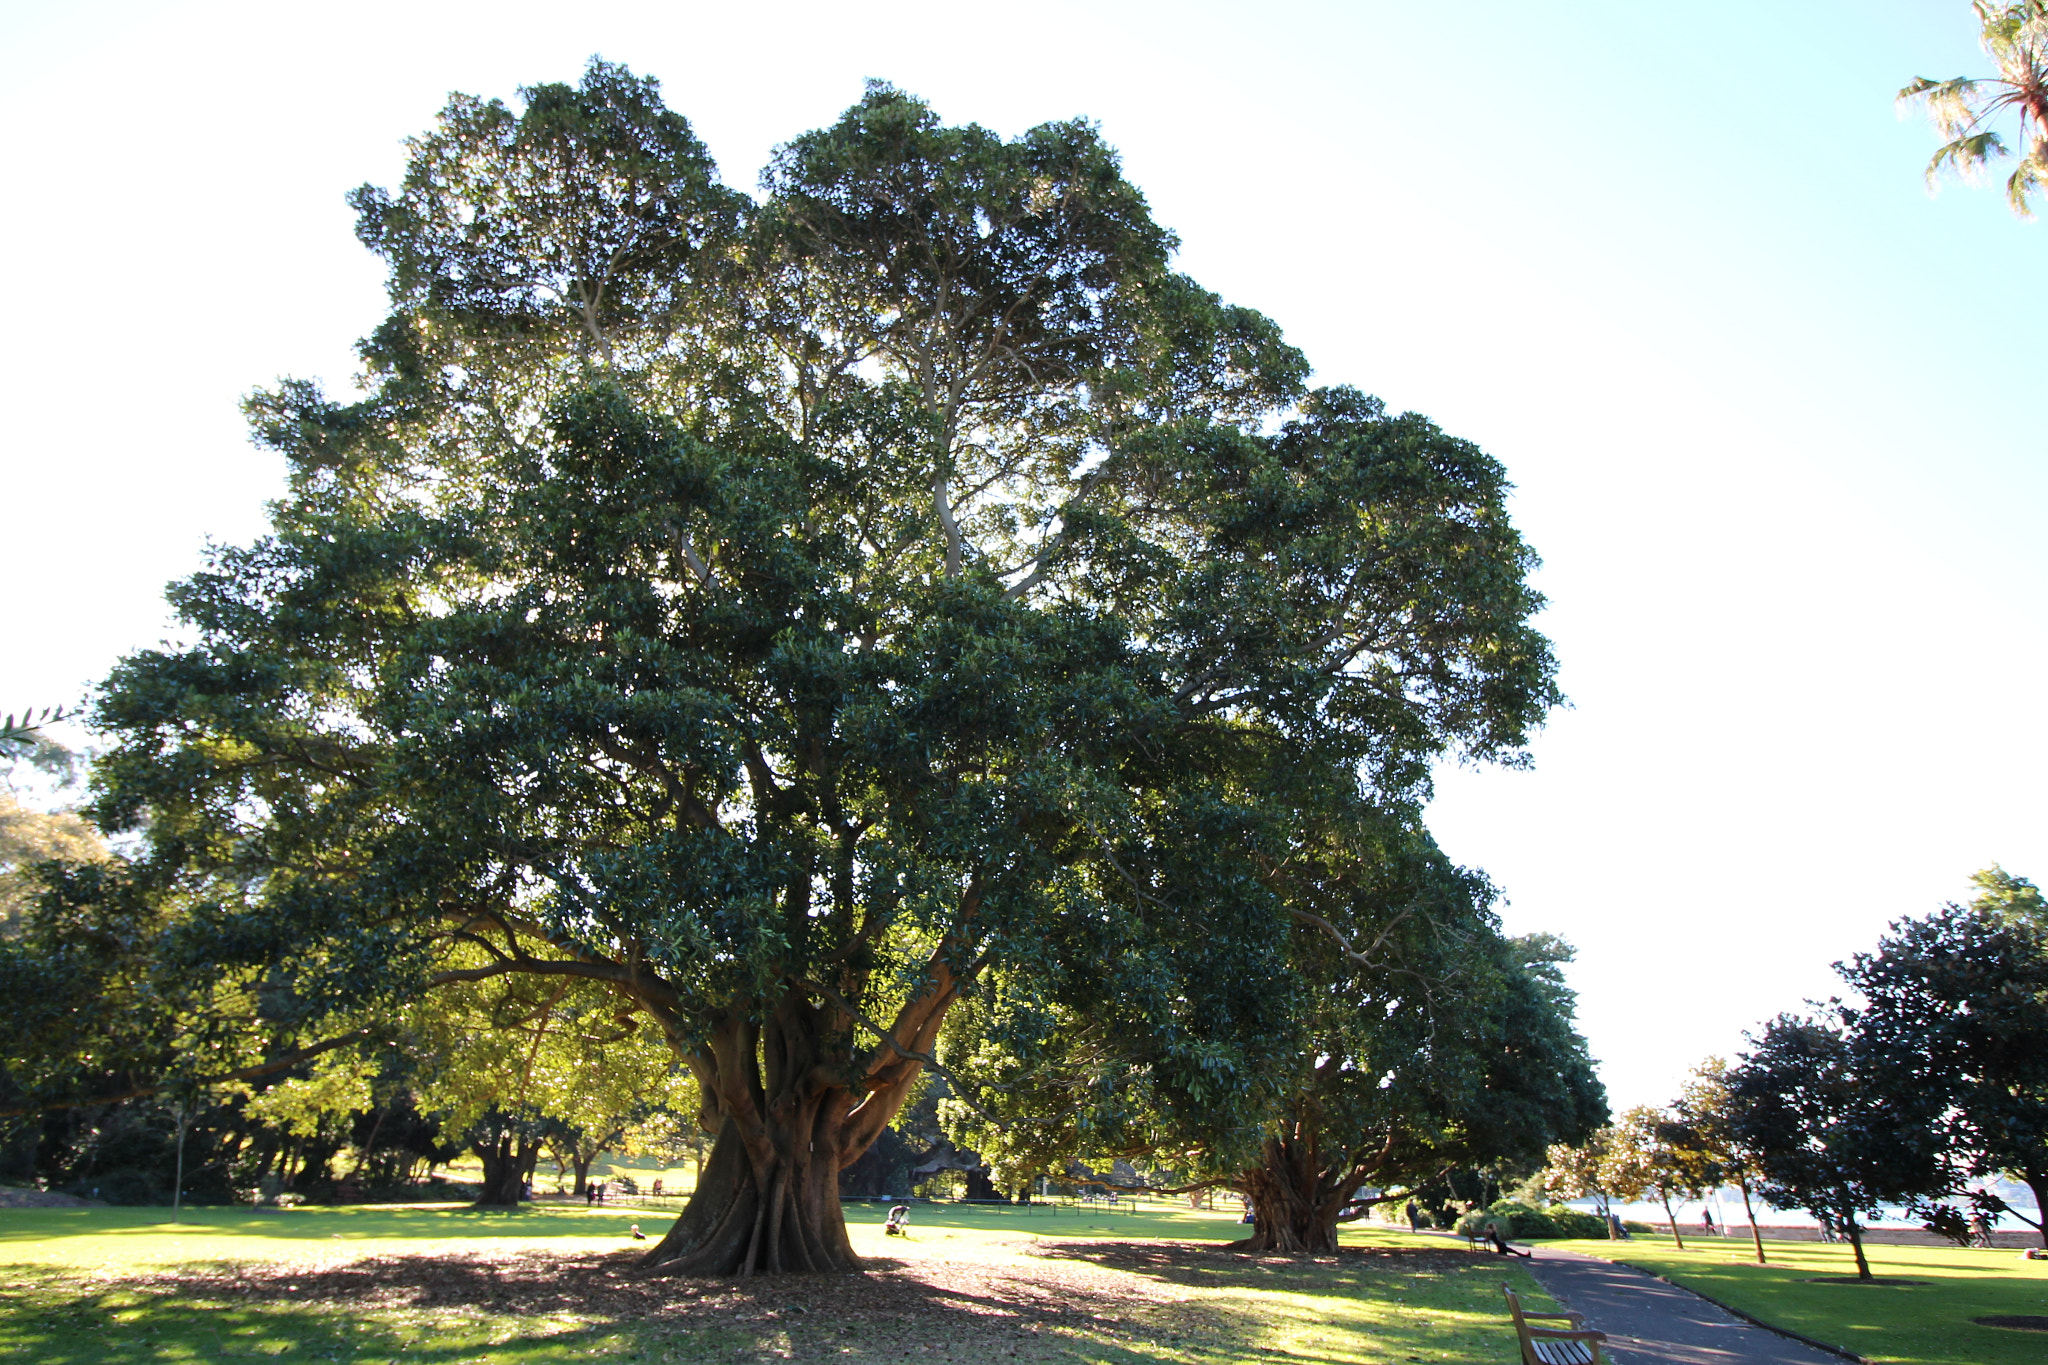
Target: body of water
(1726, 1206)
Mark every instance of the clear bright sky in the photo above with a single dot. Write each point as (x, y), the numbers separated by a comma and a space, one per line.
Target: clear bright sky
(1766, 402)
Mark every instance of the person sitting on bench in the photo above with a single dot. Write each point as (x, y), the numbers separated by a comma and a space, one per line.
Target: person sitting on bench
(1500, 1243)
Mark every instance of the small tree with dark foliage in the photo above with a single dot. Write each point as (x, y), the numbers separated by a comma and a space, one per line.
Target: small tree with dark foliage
(1836, 1131)
(1959, 1002)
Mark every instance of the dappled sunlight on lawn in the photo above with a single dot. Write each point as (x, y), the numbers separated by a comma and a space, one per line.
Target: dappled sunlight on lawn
(448, 1285)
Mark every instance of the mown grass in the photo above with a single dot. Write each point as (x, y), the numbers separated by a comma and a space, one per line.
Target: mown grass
(448, 1286)
(1928, 1323)
(114, 1239)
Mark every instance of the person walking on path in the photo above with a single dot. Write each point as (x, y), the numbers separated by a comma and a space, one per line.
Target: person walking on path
(1707, 1221)
(1651, 1322)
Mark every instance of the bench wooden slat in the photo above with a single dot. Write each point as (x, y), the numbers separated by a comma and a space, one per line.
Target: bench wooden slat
(1548, 1346)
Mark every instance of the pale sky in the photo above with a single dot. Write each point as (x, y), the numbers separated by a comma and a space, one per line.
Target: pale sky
(1764, 398)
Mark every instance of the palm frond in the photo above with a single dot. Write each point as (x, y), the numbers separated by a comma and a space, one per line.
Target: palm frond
(1953, 104)
(1965, 156)
(2031, 175)
(2014, 34)
(1955, 90)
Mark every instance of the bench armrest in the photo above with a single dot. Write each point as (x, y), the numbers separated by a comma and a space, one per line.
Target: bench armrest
(1575, 1317)
(1550, 1334)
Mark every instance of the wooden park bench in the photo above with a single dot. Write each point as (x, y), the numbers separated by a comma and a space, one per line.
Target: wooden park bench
(1549, 1346)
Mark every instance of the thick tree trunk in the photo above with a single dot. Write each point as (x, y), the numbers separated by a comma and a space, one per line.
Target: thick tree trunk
(787, 1121)
(507, 1163)
(1294, 1200)
(742, 1220)
(581, 1166)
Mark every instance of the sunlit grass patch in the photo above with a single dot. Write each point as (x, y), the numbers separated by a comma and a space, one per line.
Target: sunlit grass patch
(127, 1238)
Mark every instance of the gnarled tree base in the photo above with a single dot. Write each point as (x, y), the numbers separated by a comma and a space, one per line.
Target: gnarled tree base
(508, 1162)
(743, 1221)
(1288, 1241)
(1296, 1200)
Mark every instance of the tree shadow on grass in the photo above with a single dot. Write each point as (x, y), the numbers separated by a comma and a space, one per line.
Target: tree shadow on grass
(539, 1306)
(1395, 1303)
(1197, 1263)
(1118, 1302)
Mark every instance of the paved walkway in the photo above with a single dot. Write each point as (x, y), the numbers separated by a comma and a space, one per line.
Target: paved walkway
(1649, 1322)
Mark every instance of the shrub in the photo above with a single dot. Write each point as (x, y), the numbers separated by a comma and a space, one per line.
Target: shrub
(1571, 1222)
(1472, 1223)
(1524, 1222)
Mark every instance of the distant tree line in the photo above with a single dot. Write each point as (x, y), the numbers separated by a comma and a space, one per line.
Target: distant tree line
(1925, 1083)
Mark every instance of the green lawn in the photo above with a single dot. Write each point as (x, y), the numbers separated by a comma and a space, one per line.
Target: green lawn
(644, 1171)
(1920, 1324)
(438, 1285)
(117, 1239)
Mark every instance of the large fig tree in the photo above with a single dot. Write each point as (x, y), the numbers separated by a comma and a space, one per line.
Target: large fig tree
(781, 609)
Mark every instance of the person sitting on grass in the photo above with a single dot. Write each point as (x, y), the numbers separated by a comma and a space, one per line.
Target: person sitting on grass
(899, 1222)
(1500, 1243)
